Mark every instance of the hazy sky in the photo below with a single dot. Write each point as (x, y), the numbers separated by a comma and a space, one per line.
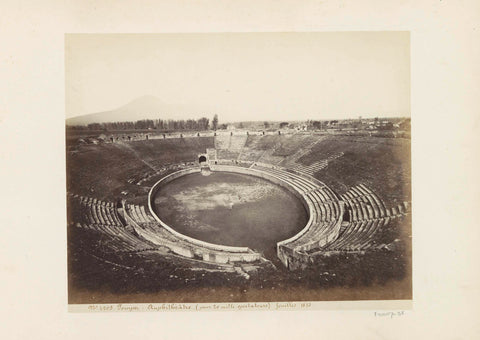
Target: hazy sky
(243, 76)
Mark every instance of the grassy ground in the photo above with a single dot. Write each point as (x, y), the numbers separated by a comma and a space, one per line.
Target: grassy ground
(103, 170)
(383, 164)
(158, 277)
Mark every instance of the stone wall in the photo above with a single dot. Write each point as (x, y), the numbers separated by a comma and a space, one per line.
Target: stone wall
(200, 249)
(225, 254)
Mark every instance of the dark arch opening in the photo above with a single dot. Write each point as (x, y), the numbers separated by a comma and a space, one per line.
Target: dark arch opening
(202, 159)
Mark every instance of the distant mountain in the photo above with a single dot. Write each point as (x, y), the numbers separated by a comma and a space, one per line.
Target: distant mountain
(146, 107)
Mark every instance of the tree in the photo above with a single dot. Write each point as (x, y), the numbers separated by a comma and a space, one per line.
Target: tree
(317, 125)
(283, 125)
(202, 123)
(266, 124)
(215, 122)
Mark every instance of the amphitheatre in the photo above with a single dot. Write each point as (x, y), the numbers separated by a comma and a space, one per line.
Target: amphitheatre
(244, 215)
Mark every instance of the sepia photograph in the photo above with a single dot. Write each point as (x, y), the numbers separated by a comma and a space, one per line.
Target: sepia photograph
(238, 167)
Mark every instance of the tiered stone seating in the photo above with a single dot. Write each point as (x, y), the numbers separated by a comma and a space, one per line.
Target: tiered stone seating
(299, 182)
(160, 234)
(373, 209)
(227, 154)
(132, 210)
(329, 207)
(269, 157)
(315, 167)
(157, 235)
(163, 171)
(148, 176)
(304, 148)
(380, 206)
(353, 204)
(229, 147)
(364, 203)
(400, 209)
(292, 179)
(162, 237)
(289, 149)
(351, 233)
(226, 162)
(139, 214)
(133, 242)
(363, 234)
(98, 208)
(237, 142)
(325, 212)
(94, 214)
(310, 169)
(367, 215)
(355, 238)
(250, 155)
(359, 236)
(212, 154)
(102, 217)
(368, 240)
(222, 141)
(146, 216)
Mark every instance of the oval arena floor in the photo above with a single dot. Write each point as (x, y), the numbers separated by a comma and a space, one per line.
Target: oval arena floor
(231, 209)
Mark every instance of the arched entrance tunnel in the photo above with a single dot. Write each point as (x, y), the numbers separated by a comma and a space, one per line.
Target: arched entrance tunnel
(202, 159)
